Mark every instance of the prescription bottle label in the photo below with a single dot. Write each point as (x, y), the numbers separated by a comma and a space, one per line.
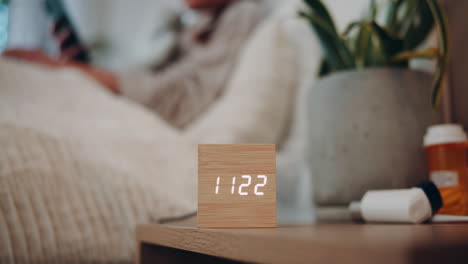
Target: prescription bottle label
(446, 146)
(444, 178)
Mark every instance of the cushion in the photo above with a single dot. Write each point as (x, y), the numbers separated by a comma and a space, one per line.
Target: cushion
(258, 102)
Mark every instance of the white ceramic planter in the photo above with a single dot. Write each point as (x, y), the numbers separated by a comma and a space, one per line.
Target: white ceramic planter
(365, 131)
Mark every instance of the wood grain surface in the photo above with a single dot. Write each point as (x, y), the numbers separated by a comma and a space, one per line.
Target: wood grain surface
(322, 243)
(221, 169)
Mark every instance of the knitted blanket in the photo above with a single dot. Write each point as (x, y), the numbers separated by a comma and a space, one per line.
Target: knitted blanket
(79, 169)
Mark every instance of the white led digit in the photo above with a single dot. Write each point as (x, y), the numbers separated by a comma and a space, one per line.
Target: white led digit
(217, 185)
(260, 184)
(233, 183)
(249, 179)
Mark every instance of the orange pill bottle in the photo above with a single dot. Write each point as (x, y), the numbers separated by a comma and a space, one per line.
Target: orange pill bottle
(446, 147)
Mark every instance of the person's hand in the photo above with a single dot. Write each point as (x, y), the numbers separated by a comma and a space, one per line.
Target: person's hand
(105, 78)
(68, 43)
(34, 56)
(207, 4)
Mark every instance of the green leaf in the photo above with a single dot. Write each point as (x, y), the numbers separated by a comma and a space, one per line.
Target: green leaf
(318, 9)
(407, 55)
(364, 47)
(409, 12)
(390, 43)
(322, 24)
(373, 9)
(336, 53)
(374, 46)
(392, 11)
(324, 69)
(350, 27)
(441, 20)
(420, 28)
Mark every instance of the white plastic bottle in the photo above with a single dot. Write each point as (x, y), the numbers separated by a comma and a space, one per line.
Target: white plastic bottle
(414, 205)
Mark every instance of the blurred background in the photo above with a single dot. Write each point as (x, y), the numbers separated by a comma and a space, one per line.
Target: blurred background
(103, 103)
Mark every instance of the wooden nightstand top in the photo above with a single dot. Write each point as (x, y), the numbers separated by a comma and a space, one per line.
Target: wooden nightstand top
(321, 243)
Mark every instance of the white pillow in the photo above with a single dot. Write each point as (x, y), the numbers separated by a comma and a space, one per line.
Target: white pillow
(257, 105)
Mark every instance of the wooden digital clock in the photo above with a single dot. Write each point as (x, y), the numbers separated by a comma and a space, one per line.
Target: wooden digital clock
(236, 185)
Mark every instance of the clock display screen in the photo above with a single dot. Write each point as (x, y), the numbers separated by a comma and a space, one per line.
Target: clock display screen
(237, 185)
(242, 187)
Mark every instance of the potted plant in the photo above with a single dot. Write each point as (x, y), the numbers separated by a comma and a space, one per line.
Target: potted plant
(368, 112)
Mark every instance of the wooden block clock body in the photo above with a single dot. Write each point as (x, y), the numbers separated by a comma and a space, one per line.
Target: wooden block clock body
(236, 186)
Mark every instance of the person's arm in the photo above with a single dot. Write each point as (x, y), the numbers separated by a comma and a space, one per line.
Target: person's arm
(185, 89)
(72, 52)
(200, 4)
(107, 79)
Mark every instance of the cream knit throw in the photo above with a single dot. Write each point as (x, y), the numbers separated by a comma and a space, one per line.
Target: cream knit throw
(79, 169)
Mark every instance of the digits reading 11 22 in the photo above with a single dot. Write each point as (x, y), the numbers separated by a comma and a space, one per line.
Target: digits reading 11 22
(244, 185)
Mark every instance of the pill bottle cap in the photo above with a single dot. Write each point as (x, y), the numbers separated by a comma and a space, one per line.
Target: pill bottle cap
(433, 195)
(444, 133)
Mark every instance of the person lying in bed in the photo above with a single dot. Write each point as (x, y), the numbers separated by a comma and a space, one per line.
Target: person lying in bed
(180, 91)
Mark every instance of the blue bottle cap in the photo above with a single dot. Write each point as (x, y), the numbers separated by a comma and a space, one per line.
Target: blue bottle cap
(433, 195)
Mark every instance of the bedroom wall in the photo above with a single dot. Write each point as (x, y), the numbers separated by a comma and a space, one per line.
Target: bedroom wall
(458, 69)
